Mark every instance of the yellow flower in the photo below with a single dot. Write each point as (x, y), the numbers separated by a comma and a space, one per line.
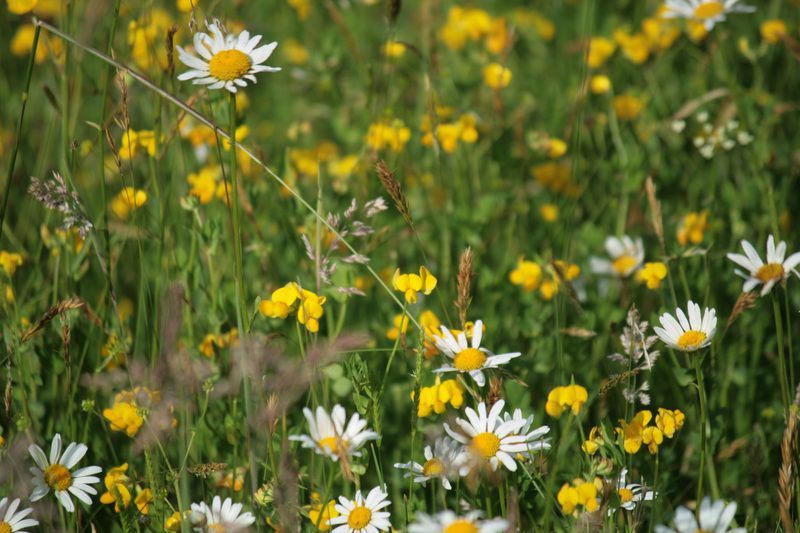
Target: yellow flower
(580, 493)
(635, 47)
(434, 399)
(400, 326)
(143, 500)
(186, 6)
(661, 32)
(693, 228)
(669, 421)
(326, 511)
(463, 24)
(556, 176)
(599, 84)
(773, 30)
(394, 49)
(497, 38)
(205, 185)
(173, 522)
(22, 43)
(555, 148)
(146, 37)
(301, 7)
(383, 134)
(229, 481)
(411, 284)
(593, 443)
(632, 432)
(696, 30)
(128, 200)
(653, 437)
(9, 261)
(652, 274)
(124, 416)
(600, 49)
(117, 487)
(528, 275)
(627, 106)
(572, 396)
(282, 301)
(20, 7)
(549, 212)
(311, 310)
(496, 76)
(295, 52)
(529, 18)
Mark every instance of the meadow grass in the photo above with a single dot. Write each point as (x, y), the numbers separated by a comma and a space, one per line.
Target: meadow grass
(431, 273)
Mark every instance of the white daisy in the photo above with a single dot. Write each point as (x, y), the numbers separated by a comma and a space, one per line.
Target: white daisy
(450, 522)
(714, 518)
(706, 12)
(221, 516)
(631, 493)
(55, 474)
(362, 515)
(491, 439)
(330, 436)
(13, 521)
(689, 334)
(535, 438)
(756, 272)
(472, 359)
(626, 256)
(442, 462)
(225, 60)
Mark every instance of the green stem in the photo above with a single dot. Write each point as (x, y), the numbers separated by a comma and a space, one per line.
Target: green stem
(701, 391)
(776, 309)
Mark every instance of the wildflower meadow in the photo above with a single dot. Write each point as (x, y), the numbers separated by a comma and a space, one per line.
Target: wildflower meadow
(366, 266)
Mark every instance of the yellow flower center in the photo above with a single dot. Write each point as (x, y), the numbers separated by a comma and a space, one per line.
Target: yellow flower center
(432, 468)
(57, 477)
(623, 264)
(359, 517)
(769, 272)
(691, 339)
(216, 528)
(707, 10)
(5, 527)
(461, 526)
(486, 444)
(333, 444)
(469, 359)
(625, 495)
(229, 65)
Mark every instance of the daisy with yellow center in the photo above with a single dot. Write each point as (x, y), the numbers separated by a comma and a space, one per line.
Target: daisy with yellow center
(362, 514)
(756, 272)
(12, 521)
(55, 473)
(442, 462)
(705, 12)
(450, 522)
(713, 517)
(625, 257)
(688, 334)
(630, 494)
(333, 435)
(225, 60)
(494, 439)
(471, 359)
(222, 516)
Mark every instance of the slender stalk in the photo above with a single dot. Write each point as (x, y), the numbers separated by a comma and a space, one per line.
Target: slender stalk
(25, 95)
(654, 501)
(701, 391)
(776, 309)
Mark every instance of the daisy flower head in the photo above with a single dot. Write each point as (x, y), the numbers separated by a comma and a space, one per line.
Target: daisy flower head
(471, 359)
(756, 272)
(535, 437)
(12, 521)
(55, 473)
(688, 334)
(225, 60)
(333, 435)
(631, 494)
(443, 461)
(450, 522)
(706, 12)
(625, 257)
(492, 439)
(714, 517)
(221, 516)
(362, 515)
